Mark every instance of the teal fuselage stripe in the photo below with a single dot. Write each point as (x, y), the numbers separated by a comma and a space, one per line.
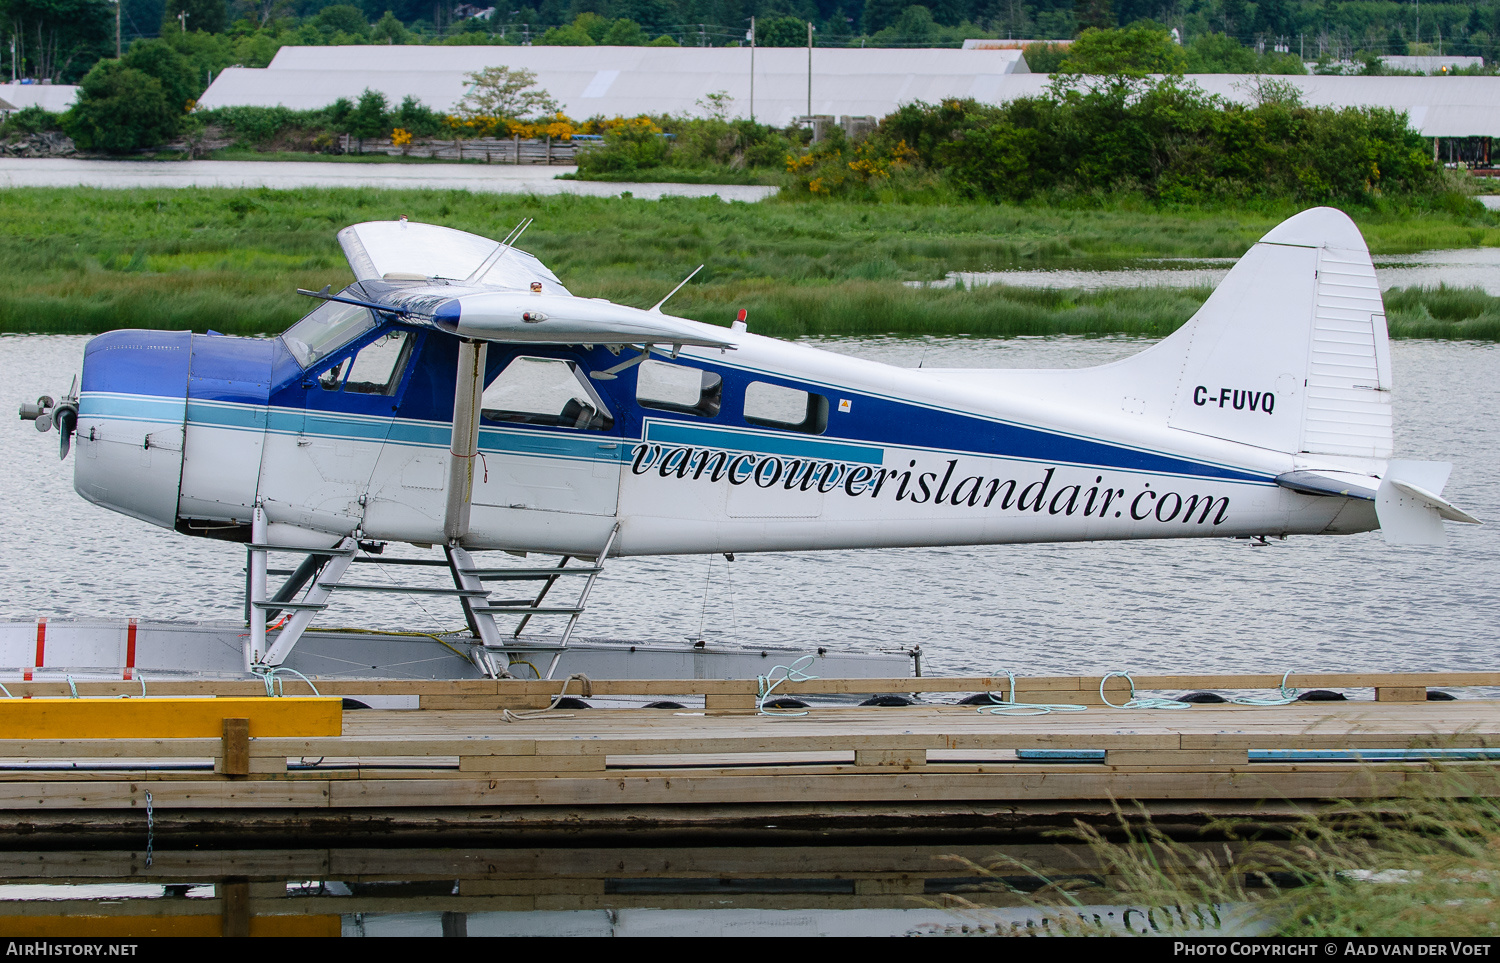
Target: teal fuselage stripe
(695, 437)
(130, 407)
(588, 446)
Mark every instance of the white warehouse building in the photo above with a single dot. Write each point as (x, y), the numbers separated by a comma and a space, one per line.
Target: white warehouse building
(625, 81)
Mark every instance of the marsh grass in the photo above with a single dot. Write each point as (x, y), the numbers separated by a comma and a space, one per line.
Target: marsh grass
(1426, 864)
(84, 260)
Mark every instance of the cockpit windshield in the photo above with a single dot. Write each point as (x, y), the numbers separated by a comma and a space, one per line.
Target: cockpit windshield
(331, 326)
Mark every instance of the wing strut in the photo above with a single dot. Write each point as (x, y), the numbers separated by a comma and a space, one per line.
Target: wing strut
(468, 390)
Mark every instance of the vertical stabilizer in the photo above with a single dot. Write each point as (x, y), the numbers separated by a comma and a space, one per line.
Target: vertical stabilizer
(1290, 352)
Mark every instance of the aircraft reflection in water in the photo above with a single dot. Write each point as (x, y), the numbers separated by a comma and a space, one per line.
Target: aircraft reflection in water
(458, 395)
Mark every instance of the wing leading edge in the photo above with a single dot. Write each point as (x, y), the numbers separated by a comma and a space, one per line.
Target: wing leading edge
(483, 290)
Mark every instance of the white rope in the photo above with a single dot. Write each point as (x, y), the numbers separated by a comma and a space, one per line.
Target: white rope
(271, 676)
(1133, 702)
(1010, 707)
(766, 685)
(588, 690)
(1287, 697)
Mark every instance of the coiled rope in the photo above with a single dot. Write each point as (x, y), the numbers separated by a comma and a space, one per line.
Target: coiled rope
(271, 676)
(1287, 696)
(1133, 702)
(1010, 707)
(766, 685)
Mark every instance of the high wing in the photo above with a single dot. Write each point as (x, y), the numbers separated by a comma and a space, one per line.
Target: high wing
(481, 291)
(455, 282)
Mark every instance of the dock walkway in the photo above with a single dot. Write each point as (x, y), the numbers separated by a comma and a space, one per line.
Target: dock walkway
(486, 753)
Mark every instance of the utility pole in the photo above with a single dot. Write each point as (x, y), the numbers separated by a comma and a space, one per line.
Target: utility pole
(118, 5)
(752, 70)
(182, 19)
(809, 71)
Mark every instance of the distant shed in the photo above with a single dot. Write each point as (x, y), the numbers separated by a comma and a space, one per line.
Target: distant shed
(54, 98)
(613, 81)
(1435, 106)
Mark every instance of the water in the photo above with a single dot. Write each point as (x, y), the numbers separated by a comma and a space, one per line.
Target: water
(675, 889)
(1474, 267)
(285, 175)
(1310, 603)
(1346, 603)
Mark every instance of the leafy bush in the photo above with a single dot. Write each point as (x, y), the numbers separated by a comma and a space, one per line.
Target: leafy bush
(1164, 139)
(417, 118)
(30, 120)
(637, 143)
(120, 109)
(180, 82)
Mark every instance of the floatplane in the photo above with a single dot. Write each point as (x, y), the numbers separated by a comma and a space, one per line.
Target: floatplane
(458, 397)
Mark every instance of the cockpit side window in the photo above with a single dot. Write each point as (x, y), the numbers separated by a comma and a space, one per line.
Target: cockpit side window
(376, 369)
(544, 391)
(329, 327)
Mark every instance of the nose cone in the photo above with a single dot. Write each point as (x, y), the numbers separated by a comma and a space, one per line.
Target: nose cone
(131, 407)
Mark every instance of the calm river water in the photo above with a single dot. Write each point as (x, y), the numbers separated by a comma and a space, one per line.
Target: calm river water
(1468, 268)
(1309, 603)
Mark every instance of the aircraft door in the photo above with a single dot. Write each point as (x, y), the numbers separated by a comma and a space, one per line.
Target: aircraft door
(327, 434)
(547, 440)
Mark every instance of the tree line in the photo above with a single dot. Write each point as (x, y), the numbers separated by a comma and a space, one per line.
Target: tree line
(61, 40)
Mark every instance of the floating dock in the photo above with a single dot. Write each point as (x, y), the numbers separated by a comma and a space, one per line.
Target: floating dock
(489, 758)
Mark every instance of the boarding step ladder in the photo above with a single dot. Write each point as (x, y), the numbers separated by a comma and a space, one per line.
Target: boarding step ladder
(481, 608)
(322, 572)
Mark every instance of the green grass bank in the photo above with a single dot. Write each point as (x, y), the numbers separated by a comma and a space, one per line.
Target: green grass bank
(90, 260)
(1418, 865)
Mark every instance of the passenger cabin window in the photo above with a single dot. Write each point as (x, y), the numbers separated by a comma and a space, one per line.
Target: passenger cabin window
(774, 406)
(544, 391)
(676, 387)
(374, 370)
(328, 328)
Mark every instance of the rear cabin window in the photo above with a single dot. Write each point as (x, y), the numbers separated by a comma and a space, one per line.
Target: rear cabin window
(544, 391)
(677, 387)
(775, 406)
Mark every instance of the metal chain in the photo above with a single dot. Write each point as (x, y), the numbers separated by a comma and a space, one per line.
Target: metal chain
(150, 828)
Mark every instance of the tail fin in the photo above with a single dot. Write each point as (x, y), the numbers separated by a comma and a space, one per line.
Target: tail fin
(1290, 352)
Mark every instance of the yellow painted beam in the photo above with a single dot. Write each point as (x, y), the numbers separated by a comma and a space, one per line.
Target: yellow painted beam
(86, 927)
(168, 718)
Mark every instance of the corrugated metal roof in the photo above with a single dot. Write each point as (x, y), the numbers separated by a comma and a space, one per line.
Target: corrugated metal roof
(612, 81)
(50, 97)
(1435, 106)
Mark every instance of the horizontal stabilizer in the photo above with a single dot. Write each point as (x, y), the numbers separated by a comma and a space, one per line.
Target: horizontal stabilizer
(1438, 504)
(1342, 484)
(1410, 510)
